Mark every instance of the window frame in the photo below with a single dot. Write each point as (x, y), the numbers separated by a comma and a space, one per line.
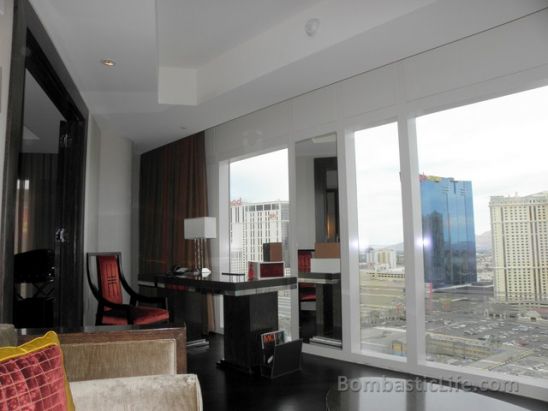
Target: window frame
(416, 362)
(405, 112)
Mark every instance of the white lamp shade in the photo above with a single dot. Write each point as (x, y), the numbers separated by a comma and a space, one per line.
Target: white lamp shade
(201, 227)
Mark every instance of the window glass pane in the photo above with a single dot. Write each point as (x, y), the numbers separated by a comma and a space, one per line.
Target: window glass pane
(317, 240)
(484, 195)
(259, 214)
(382, 276)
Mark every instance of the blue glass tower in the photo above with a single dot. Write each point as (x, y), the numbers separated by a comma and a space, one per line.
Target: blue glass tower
(448, 231)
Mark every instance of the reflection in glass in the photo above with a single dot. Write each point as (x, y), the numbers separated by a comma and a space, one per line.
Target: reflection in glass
(36, 208)
(318, 246)
(259, 218)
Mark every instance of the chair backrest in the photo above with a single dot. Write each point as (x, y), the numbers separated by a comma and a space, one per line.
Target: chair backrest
(34, 266)
(108, 276)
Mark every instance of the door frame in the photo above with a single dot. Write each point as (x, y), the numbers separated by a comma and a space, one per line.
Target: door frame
(32, 49)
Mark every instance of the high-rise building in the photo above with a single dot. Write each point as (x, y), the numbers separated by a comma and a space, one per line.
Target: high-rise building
(380, 259)
(519, 228)
(251, 225)
(448, 231)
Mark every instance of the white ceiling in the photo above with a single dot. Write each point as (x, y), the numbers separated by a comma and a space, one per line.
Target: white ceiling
(187, 65)
(192, 33)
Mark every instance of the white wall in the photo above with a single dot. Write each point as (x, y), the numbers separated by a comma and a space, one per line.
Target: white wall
(115, 198)
(108, 208)
(6, 22)
(135, 175)
(91, 212)
(305, 203)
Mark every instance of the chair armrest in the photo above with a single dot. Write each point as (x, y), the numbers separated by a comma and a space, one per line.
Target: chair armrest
(155, 392)
(136, 297)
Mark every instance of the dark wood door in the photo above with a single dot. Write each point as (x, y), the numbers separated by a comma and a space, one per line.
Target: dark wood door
(68, 259)
(33, 50)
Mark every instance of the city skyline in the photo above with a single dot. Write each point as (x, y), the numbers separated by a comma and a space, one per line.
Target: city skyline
(251, 226)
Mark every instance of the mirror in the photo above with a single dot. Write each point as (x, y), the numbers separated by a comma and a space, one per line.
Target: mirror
(36, 209)
(317, 240)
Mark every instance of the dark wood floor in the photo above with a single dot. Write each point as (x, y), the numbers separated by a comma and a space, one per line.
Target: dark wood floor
(305, 390)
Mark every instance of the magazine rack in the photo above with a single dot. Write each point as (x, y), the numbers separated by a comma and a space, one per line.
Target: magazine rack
(285, 360)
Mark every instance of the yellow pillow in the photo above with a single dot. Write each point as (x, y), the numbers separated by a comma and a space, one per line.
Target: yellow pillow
(33, 376)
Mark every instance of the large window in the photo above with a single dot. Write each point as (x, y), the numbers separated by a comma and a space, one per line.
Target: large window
(475, 220)
(381, 252)
(484, 203)
(259, 214)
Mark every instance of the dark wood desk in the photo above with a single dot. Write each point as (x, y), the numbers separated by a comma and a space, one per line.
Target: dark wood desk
(250, 309)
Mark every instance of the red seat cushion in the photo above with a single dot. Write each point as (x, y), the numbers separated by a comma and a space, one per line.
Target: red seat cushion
(109, 273)
(143, 315)
(308, 297)
(307, 292)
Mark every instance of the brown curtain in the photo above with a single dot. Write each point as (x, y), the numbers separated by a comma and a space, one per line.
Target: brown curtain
(173, 186)
(36, 193)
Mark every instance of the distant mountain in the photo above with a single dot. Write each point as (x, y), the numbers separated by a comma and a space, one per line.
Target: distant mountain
(395, 247)
(483, 242)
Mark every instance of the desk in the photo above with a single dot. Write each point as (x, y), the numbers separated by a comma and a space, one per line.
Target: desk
(328, 306)
(250, 309)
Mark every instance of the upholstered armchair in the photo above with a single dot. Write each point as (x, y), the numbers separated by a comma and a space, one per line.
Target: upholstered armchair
(124, 374)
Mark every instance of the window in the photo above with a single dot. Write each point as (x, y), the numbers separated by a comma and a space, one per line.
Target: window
(256, 184)
(381, 255)
(484, 198)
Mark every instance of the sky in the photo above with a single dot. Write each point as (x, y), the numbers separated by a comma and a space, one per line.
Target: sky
(260, 178)
(378, 186)
(500, 145)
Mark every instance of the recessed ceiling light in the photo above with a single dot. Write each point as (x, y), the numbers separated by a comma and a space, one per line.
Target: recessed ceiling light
(108, 62)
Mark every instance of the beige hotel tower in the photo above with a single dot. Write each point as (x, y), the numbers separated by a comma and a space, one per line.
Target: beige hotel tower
(519, 229)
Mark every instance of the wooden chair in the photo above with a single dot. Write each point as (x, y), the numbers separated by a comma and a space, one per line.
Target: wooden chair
(108, 291)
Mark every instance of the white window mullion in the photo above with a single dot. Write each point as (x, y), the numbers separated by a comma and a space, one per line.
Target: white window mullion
(412, 228)
(350, 284)
(294, 260)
